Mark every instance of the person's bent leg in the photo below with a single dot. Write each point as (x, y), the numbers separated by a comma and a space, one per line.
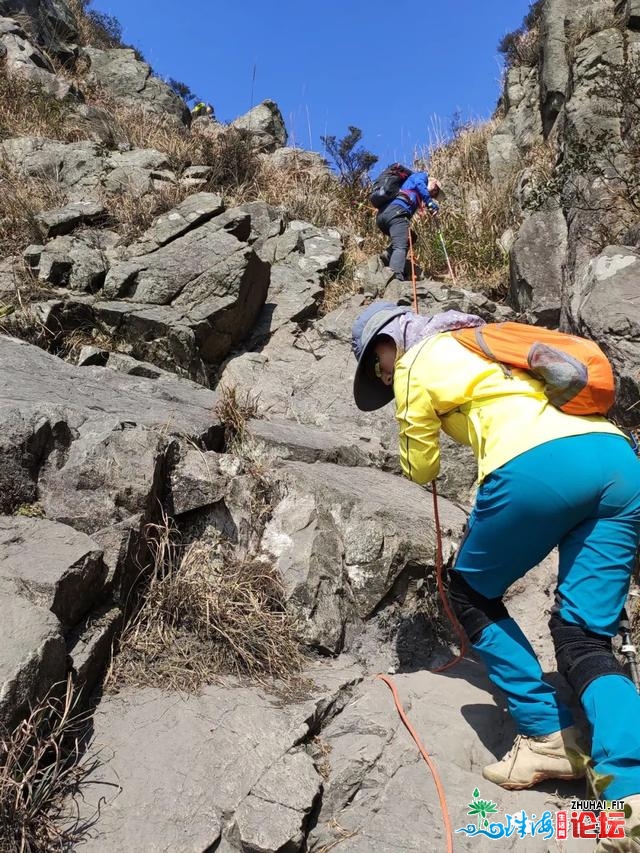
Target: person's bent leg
(596, 563)
(511, 663)
(522, 510)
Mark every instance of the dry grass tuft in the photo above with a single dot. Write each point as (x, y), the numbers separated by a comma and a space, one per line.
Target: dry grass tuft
(342, 284)
(42, 767)
(26, 110)
(22, 198)
(475, 214)
(235, 408)
(134, 213)
(204, 615)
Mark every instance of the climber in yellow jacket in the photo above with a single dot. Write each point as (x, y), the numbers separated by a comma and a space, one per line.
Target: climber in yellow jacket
(546, 479)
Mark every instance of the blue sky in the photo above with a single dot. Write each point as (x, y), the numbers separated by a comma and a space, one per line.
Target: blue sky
(395, 69)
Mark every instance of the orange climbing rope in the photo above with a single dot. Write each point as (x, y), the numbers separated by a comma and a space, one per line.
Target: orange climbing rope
(423, 752)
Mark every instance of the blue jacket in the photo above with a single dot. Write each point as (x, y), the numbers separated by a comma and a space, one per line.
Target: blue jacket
(415, 193)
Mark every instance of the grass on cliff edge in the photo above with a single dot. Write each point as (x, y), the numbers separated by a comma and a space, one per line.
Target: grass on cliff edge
(42, 768)
(204, 614)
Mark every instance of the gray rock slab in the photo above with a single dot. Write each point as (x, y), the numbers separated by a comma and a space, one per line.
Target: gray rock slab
(209, 281)
(78, 262)
(554, 76)
(288, 440)
(293, 297)
(77, 166)
(307, 377)
(65, 219)
(186, 765)
(604, 307)
(133, 81)
(33, 655)
(273, 816)
(89, 442)
(110, 471)
(588, 114)
(196, 481)
(56, 566)
(341, 538)
(630, 11)
(90, 647)
(189, 214)
(22, 59)
(380, 795)
(537, 261)
(50, 22)
(35, 381)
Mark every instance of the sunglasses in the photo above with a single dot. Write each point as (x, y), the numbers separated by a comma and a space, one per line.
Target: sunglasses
(377, 369)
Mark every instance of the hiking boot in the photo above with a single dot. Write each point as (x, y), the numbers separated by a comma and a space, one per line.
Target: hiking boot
(626, 845)
(532, 759)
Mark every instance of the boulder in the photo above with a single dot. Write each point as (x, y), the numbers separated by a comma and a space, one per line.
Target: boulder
(79, 262)
(50, 22)
(604, 307)
(33, 655)
(132, 81)
(196, 481)
(341, 539)
(537, 262)
(299, 160)
(22, 59)
(63, 220)
(206, 286)
(266, 126)
(52, 564)
(138, 171)
(76, 166)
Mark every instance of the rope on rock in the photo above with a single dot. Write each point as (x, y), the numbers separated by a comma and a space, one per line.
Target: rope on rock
(423, 752)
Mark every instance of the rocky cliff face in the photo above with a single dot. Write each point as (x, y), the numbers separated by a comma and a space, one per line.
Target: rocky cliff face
(575, 256)
(124, 355)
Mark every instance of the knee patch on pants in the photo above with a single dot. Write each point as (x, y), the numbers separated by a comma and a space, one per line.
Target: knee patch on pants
(581, 655)
(473, 610)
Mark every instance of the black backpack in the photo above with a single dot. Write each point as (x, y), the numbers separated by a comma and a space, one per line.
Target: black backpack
(387, 185)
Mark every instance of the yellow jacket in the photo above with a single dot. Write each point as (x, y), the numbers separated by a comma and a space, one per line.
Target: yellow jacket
(441, 384)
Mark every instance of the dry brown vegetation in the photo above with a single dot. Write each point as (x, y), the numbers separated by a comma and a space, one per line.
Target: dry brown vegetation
(42, 768)
(474, 215)
(22, 198)
(205, 614)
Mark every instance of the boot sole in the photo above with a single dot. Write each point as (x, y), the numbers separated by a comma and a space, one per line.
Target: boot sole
(539, 777)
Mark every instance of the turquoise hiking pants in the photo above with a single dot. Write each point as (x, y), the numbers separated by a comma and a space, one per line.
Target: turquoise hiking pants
(581, 494)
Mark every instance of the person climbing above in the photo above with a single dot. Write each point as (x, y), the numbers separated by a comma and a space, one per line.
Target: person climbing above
(202, 110)
(546, 479)
(418, 192)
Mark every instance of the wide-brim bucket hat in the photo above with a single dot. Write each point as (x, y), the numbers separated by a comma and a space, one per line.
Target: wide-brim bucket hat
(369, 392)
